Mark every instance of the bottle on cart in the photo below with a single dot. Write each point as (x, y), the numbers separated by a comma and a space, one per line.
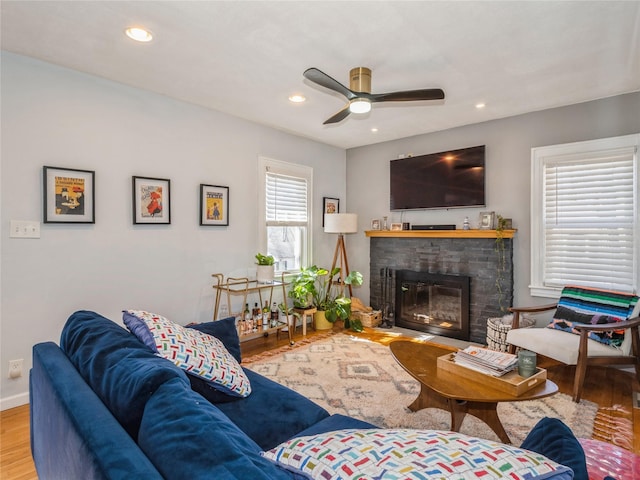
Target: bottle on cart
(256, 314)
(247, 319)
(274, 314)
(266, 314)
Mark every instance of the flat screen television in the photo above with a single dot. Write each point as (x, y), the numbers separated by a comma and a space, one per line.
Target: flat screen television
(438, 180)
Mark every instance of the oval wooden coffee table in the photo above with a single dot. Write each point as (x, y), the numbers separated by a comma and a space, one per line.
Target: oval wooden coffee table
(448, 391)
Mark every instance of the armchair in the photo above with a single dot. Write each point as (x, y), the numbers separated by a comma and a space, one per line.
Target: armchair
(589, 327)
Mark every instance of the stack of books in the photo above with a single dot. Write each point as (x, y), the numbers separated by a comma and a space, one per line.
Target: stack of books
(486, 361)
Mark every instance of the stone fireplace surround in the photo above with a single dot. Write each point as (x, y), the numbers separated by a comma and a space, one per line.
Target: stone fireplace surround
(452, 252)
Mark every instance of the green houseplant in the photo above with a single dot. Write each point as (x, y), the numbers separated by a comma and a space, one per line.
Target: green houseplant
(265, 269)
(315, 286)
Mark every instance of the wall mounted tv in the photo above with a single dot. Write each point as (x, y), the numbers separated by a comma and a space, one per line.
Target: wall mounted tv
(438, 180)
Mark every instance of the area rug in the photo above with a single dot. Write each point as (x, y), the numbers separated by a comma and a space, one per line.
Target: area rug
(360, 378)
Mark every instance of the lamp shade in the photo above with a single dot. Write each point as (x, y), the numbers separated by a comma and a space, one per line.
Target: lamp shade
(340, 223)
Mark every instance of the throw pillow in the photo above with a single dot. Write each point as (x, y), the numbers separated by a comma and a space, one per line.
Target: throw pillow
(410, 454)
(580, 305)
(195, 352)
(224, 330)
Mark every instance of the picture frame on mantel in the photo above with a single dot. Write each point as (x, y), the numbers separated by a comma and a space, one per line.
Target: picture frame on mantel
(68, 195)
(151, 201)
(487, 221)
(330, 205)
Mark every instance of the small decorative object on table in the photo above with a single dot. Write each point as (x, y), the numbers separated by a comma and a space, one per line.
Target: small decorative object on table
(526, 363)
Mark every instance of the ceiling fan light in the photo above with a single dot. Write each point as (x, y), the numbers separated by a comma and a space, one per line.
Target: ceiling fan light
(360, 105)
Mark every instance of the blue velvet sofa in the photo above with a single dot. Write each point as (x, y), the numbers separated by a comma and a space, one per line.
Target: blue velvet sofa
(104, 406)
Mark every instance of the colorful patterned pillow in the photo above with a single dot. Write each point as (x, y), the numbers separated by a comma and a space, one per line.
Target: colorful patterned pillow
(580, 305)
(410, 454)
(195, 352)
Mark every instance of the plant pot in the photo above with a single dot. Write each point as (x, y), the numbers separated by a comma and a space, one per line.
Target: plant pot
(321, 321)
(264, 273)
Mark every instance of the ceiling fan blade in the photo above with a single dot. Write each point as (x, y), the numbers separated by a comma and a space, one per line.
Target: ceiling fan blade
(338, 117)
(409, 95)
(324, 80)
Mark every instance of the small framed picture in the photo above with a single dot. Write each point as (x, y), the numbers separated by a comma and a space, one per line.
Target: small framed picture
(375, 224)
(69, 195)
(214, 205)
(330, 205)
(487, 220)
(396, 227)
(151, 200)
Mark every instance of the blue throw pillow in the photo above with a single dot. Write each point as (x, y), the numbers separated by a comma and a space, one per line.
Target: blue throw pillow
(224, 330)
(553, 439)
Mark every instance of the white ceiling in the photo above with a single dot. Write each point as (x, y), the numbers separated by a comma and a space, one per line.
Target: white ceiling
(246, 57)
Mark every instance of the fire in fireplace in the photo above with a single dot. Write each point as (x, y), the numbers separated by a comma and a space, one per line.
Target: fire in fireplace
(433, 303)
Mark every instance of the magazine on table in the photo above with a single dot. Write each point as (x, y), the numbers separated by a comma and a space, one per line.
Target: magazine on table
(486, 361)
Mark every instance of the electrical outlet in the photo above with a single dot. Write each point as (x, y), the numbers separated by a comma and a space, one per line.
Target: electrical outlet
(15, 368)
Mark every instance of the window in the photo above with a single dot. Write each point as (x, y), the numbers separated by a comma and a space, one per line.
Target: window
(285, 213)
(585, 217)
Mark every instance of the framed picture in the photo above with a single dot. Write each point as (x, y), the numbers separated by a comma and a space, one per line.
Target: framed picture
(151, 200)
(330, 205)
(69, 195)
(375, 224)
(214, 205)
(396, 227)
(487, 220)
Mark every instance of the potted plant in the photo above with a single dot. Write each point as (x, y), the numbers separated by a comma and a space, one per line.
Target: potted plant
(315, 286)
(265, 268)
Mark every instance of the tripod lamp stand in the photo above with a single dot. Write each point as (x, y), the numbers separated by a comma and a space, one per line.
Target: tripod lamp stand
(341, 223)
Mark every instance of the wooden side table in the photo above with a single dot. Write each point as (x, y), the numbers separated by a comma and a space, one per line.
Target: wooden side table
(303, 312)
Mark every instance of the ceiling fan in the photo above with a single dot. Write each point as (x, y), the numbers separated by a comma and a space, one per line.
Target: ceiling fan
(359, 94)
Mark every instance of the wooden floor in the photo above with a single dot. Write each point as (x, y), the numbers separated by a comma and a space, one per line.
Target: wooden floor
(606, 387)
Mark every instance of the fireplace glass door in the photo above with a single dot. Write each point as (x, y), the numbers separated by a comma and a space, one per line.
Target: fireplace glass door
(433, 303)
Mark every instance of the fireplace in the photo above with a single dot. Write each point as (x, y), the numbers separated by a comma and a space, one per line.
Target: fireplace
(433, 303)
(454, 252)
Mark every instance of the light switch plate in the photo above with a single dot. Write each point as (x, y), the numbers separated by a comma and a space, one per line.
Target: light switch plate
(24, 229)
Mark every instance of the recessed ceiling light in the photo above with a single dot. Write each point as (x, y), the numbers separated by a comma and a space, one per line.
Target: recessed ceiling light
(480, 105)
(139, 34)
(297, 98)
(374, 129)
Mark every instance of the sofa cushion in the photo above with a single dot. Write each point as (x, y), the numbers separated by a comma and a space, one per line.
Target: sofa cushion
(403, 453)
(73, 435)
(122, 371)
(580, 305)
(195, 352)
(334, 422)
(556, 441)
(187, 437)
(276, 412)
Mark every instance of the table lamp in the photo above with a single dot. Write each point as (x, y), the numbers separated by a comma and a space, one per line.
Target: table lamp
(341, 223)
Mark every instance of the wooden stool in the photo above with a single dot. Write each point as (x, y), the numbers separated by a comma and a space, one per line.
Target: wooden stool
(303, 312)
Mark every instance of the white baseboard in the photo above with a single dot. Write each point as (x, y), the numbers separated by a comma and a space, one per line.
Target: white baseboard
(14, 401)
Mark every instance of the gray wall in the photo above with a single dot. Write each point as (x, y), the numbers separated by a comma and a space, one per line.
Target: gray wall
(58, 117)
(508, 156)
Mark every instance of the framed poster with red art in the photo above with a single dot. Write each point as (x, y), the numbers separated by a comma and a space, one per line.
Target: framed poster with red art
(214, 205)
(151, 200)
(69, 195)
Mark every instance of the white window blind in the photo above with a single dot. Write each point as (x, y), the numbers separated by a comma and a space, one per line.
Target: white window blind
(585, 227)
(284, 229)
(286, 200)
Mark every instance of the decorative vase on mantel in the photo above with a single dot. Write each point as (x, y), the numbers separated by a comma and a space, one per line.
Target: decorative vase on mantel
(264, 273)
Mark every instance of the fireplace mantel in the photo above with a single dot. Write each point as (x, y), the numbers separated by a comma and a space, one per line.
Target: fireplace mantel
(439, 233)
